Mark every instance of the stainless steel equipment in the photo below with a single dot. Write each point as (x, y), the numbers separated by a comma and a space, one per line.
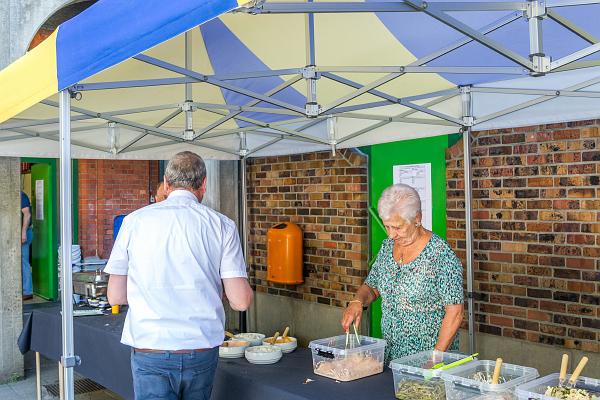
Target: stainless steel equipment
(90, 284)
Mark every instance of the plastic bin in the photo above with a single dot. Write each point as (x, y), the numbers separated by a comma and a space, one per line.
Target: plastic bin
(332, 360)
(460, 382)
(536, 388)
(414, 371)
(284, 254)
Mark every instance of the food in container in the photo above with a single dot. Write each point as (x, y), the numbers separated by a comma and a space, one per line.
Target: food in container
(549, 388)
(333, 360)
(233, 349)
(255, 339)
(569, 393)
(287, 344)
(420, 390)
(416, 378)
(263, 354)
(471, 381)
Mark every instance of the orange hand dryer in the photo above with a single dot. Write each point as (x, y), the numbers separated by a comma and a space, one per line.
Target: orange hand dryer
(284, 254)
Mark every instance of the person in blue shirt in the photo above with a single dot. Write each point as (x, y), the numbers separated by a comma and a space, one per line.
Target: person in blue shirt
(26, 238)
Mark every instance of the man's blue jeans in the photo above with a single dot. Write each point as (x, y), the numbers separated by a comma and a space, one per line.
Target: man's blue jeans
(26, 268)
(170, 376)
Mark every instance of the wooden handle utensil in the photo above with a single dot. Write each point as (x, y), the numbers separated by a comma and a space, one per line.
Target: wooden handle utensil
(275, 336)
(578, 370)
(229, 334)
(497, 369)
(563, 369)
(285, 332)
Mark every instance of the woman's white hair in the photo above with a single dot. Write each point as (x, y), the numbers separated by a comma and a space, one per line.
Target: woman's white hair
(399, 199)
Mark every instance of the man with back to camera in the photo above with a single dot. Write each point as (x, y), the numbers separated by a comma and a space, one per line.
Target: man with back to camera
(170, 262)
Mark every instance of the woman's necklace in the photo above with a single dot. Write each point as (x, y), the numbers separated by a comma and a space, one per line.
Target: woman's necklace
(402, 255)
(400, 260)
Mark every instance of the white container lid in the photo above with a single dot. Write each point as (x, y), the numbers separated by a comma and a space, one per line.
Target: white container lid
(420, 363)
(335, 346)
(514, 374)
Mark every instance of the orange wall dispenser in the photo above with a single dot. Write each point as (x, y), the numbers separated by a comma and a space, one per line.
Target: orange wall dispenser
(284, 254)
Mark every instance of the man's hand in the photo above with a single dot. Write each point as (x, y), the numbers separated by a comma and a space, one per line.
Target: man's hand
(24, 237)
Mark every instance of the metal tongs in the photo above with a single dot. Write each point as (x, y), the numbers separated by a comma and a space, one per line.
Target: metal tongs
(350, 339)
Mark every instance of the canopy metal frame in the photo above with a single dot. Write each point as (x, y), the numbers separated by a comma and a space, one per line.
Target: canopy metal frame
(535, 64)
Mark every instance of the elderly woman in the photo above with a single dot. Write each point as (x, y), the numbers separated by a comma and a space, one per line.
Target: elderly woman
(417, 276)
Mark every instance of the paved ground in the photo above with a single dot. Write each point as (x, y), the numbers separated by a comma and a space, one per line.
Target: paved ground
(25, 389)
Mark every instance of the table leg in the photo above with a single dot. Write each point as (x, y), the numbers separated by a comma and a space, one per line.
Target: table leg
(61, 381)
(38, 377)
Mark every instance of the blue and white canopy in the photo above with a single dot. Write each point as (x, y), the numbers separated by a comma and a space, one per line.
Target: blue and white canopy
(265, 78)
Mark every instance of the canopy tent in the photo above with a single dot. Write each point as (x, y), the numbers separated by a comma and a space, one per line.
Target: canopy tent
(150, 79)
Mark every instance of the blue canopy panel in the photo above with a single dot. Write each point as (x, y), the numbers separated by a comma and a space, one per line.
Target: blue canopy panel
(228, 54)
(112, 31)
(422, 35)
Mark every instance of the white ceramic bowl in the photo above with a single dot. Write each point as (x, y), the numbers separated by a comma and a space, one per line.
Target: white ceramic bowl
(233, 349)
(286, 347)
(263, 354)
(255, 339)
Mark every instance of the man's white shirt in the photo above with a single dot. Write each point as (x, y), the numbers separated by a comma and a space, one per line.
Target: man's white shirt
(175, 254)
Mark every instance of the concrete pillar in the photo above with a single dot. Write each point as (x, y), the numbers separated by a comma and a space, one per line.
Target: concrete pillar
(11, 305)
(228, 205)
(212, 198)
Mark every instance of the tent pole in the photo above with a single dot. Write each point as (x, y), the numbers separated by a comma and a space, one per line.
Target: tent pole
(467, 105)
(244, 220)
(68, 360)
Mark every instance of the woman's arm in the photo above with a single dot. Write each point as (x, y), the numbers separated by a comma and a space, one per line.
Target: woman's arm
(365, 295)
(450, 325)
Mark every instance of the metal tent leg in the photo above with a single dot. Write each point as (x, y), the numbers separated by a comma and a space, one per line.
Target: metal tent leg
(244, 223)
(469, 235)
(468, 120)
(38, 377)
(68, 360)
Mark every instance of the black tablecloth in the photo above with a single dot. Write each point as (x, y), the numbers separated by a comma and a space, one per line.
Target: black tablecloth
(107, 361)
(97, 341)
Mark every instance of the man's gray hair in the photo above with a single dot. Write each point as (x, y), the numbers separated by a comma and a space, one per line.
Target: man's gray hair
(399, 199)
(186, 170)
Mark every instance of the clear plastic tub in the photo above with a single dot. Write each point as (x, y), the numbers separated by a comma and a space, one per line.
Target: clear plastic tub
(414, 377)
(462, 382)
(536, 389)
(333, 359)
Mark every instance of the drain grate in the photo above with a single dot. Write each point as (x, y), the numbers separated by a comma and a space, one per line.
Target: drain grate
(81, 386)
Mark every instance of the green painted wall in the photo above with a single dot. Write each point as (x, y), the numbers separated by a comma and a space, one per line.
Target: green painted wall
(382, 158)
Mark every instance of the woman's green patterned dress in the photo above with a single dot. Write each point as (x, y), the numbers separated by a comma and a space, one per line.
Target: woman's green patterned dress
(413, 296)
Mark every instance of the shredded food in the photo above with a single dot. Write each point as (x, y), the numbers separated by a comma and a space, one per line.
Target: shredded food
(420, 390)
(349, 368)
(566, 393)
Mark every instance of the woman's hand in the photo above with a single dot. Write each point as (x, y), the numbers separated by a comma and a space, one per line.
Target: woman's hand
(352, 314)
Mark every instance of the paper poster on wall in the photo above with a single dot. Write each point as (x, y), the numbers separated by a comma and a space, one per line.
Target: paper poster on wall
(419, 177)
(39, 200)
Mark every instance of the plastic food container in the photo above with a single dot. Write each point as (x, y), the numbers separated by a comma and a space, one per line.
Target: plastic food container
(414, 379)
(333, 359)
(462, 383)
(536, 389)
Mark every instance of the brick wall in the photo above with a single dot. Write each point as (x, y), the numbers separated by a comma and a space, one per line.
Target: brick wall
(537, 231)
(327, 198)
(108, 188)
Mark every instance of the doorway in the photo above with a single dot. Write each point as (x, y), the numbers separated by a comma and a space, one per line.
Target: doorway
(40, 183)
